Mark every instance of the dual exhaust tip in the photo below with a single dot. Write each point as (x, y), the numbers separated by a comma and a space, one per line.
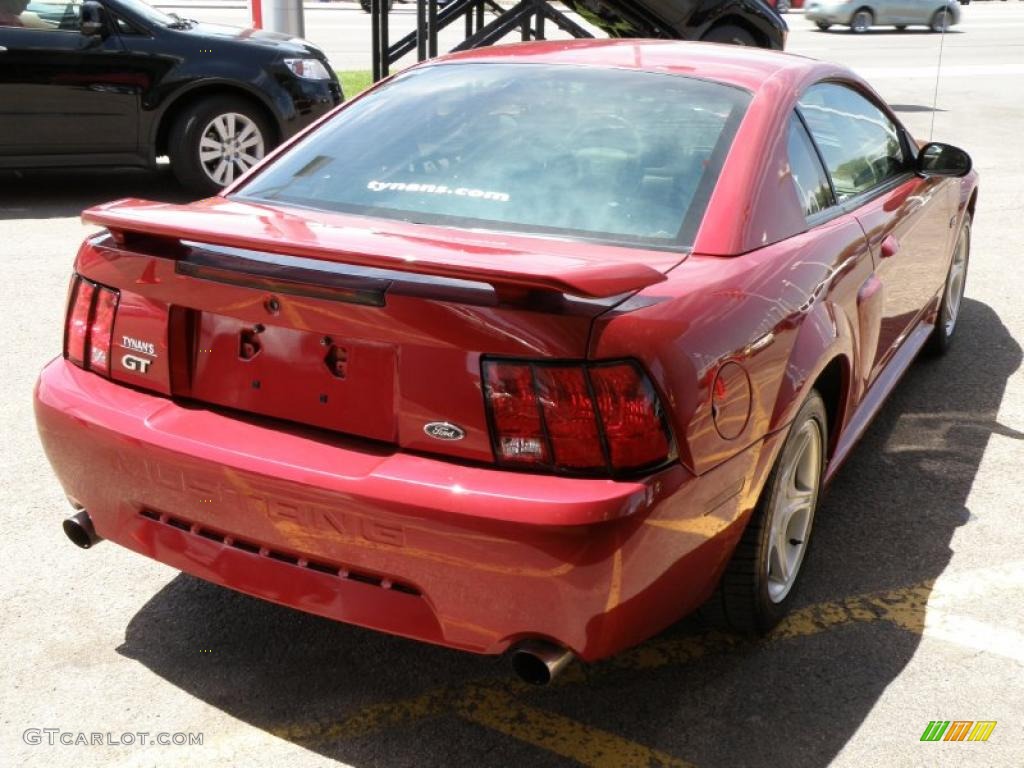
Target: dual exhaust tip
(537, 662)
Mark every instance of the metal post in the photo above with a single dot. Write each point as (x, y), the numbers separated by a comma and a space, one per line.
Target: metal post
(432, 22)
(421, 30)
(284, 16)
(385, 63)
(375, 51)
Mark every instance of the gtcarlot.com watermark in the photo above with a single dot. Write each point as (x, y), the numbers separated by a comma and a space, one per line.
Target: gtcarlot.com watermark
(54, 736)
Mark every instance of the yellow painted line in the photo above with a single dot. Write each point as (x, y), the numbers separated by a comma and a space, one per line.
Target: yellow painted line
(561, 735)
(909, 608)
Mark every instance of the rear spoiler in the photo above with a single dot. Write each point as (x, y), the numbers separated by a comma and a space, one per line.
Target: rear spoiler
(564, 268)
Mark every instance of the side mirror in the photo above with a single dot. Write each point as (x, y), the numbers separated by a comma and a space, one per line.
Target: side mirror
(93, 19)
(937, 159)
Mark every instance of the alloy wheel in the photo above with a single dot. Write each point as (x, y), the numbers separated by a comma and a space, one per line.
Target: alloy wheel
(230, 145)
(941, 21)
(861, 21)
(955, 283)
(793, 514)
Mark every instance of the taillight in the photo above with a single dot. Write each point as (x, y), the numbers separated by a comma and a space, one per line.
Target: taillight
(577, 418)
(90, 323)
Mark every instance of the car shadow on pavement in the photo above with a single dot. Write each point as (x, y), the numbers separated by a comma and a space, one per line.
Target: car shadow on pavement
(60, 193)
(794, 698)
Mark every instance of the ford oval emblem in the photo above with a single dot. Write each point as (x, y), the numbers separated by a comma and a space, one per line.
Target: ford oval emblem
(442, 430)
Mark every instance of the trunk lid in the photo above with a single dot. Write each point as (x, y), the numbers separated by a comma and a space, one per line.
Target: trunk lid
(373, 329)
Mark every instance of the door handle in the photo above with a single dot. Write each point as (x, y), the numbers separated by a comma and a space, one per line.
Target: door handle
(890, 246)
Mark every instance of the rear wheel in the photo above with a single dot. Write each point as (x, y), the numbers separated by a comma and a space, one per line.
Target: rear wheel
(952, 296)
(862, 21)
(215, 141)
(941, 21)
(757, 587)
(823, 25)
(730, 34)
(783, 6)
(900, 27)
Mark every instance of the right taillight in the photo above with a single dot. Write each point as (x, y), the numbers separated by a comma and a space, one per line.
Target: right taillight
(90, 323)
(577, 418)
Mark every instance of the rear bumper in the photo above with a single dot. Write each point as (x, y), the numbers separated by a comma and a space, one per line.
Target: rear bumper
(468, 557)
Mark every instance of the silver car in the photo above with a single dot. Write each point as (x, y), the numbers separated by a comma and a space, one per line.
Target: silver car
(859, 16)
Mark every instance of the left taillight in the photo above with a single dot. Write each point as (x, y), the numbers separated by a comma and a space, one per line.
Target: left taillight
(89, 325)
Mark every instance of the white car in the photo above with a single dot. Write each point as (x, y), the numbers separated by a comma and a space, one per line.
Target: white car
(859, 16)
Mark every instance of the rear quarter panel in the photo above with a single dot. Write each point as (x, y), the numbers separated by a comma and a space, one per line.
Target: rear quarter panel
(782, 313)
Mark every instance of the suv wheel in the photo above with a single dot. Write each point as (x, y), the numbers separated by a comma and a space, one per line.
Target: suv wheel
(215, 141)
(730, 34)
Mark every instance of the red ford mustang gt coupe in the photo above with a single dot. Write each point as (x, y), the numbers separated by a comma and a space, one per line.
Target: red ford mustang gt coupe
(532, 349)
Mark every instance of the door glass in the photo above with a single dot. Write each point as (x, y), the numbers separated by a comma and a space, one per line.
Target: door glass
(808, 176)
(860, 145)
(40, 14)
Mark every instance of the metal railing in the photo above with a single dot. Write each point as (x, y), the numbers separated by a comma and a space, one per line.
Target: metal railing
(529, 17)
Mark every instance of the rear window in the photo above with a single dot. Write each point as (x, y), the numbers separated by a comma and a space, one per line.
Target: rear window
(616, 156)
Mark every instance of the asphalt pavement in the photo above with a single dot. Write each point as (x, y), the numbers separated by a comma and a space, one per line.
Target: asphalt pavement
(910, 608)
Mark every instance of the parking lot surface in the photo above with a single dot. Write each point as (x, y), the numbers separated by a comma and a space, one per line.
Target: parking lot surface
(910, 608)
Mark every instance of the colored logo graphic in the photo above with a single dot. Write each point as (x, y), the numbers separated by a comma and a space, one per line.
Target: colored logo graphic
(958, 730)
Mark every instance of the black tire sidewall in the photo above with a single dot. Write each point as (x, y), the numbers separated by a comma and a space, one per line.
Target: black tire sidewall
(730, 34)
(186, 133)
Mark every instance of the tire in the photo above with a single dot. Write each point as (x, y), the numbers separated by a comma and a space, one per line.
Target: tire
(941, 21)
(823, 25)
(754, 593)
(900, 27)
(207, 122)
(729, 34)
(941, 339)
(783, 6)
(861, 21)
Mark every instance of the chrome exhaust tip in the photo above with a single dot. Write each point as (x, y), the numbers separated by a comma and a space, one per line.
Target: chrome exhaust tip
(79, 529)
(538, 662)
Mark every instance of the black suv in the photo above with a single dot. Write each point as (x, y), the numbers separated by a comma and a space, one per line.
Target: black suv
(740, 22)
(118, 82)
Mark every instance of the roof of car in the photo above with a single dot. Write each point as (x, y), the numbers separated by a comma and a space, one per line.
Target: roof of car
(744, 67)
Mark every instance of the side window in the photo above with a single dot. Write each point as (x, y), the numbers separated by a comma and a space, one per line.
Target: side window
(860, 144)
(123, 27)
(40, 14)
(808, 176)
